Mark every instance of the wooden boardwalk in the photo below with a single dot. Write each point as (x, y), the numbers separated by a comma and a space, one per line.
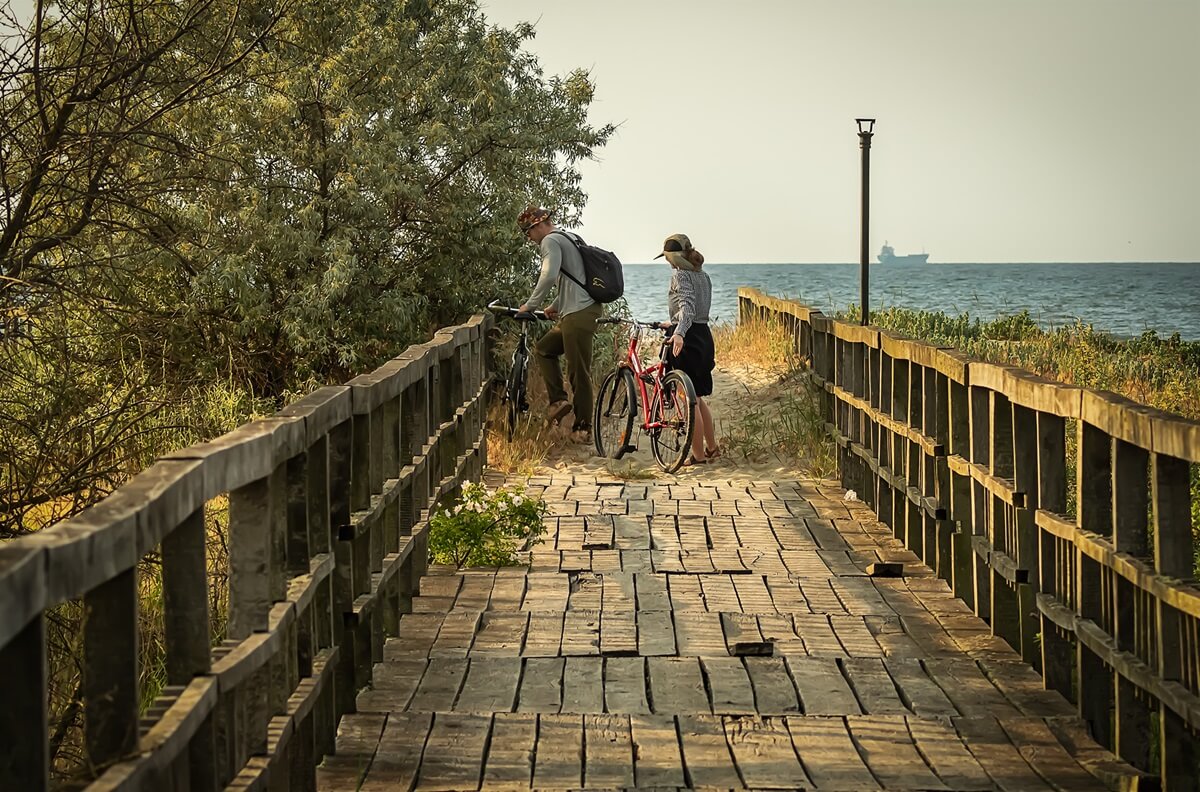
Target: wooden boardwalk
(717, 634)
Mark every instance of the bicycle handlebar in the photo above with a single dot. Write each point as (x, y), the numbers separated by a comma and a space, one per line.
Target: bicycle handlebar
(634, 322)
(521, 316)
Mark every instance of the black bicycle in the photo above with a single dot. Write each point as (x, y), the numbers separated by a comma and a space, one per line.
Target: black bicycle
(515, 402)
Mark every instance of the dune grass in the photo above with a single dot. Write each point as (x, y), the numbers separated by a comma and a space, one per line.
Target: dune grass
(783, 421)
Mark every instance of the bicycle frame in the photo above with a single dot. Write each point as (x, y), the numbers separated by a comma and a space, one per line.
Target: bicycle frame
(654, 372)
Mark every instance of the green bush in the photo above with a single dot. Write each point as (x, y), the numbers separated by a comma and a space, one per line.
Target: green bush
(485, 527)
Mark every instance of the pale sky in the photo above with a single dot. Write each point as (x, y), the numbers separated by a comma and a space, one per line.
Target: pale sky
(1047, 130)
(1032, 130)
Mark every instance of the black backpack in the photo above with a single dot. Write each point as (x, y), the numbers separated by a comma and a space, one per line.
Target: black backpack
(605, 282)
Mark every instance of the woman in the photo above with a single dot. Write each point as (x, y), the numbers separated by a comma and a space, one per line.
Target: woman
(691, 343)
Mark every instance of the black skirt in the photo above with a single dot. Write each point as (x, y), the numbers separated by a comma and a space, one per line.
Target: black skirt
(698, 358)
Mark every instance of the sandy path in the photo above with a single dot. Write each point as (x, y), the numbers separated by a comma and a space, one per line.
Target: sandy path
(733, 389)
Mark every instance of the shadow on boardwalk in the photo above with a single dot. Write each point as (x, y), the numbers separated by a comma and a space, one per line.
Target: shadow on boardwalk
(706, 633)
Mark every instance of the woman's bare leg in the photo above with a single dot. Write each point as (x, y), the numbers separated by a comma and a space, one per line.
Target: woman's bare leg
(710, 429)
(699, 431)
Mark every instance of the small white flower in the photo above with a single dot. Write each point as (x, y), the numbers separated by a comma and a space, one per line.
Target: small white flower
(851, 495)
(517, 500)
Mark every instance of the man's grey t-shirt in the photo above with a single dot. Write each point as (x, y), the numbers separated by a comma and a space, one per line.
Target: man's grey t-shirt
(558, 253)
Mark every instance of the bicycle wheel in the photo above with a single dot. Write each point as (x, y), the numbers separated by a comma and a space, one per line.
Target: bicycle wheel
(675, 409)
(612, 420)
(514, 396)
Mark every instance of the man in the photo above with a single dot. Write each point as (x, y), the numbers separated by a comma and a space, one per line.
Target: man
(576, 314)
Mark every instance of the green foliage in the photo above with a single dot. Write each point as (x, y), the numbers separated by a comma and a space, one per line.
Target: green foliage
(485, 527)
(275, 198)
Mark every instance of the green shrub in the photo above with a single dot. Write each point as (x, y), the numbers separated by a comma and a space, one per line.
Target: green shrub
(485, 527)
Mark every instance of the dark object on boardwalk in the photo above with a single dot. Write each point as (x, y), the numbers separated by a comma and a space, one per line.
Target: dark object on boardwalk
(753, 649)
(603, 279)
(885, 569)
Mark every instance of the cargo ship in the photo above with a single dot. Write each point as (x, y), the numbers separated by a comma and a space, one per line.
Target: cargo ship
(888, 256)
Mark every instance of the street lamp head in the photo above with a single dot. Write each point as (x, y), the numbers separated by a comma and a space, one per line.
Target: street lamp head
(870, 122)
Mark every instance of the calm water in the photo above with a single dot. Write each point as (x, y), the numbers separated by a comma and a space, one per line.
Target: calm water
(1123, 299)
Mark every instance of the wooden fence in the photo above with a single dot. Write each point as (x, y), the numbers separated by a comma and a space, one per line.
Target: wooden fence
(1062, 515)
(327, 506)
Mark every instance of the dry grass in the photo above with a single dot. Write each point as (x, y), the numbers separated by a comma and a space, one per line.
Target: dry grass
(782, 420)
(629, 470)
(534, 440)
(764, 345)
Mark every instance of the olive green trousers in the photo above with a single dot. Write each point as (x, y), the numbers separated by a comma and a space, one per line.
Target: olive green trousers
(570, 338)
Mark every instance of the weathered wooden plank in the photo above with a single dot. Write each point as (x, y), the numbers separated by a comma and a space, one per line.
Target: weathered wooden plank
(774, 693)
(439, 687)
(995, 752)
(818, 635)
(625, 685)
(677, 685)
(822, 688)
(541, 685)
(762, 749)
(656, 633)
(456, 634)
(358, 738)
(490, 684)
(608, 760)
(700, 634)
(946, 754)
(543, 636)
(706, 753)
(855, 637)
(967, 687)
(453, 756)
(873, 686)
(1041, 749)
(920, 693)
(500, 634)
(829, 754)
(581, 633)
(618, 632)
(886, 746)
(558, 758)
(729, 686)
(398, 757)
(583, 685)
(657, 757)
(393, 684)
(509, 762)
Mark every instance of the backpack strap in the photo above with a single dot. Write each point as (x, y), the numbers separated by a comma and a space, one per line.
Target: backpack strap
(562, 269)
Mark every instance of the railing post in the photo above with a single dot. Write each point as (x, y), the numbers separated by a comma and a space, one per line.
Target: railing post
(981, 498)
(1094, 506)
(1130, 507)
(110, 669)
(1172, 556)
(24, 751)
(1054, 559)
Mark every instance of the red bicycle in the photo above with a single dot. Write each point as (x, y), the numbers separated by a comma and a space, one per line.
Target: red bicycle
(667, 399)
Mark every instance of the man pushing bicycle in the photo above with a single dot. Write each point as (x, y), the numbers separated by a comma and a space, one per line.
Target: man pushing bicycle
(575, 313)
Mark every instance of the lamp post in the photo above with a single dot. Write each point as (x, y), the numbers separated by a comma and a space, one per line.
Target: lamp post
(865, 127)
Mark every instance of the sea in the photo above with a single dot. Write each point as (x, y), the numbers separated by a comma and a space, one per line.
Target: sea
(1122, 299)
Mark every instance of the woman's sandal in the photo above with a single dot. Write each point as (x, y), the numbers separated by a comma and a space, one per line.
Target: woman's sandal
(714, 454)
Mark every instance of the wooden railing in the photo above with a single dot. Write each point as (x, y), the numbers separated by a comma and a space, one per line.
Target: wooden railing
(327, 537)
(973, 464)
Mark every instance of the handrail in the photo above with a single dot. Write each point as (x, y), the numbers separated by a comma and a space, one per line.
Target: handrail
(328, 521)
(967, 462)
